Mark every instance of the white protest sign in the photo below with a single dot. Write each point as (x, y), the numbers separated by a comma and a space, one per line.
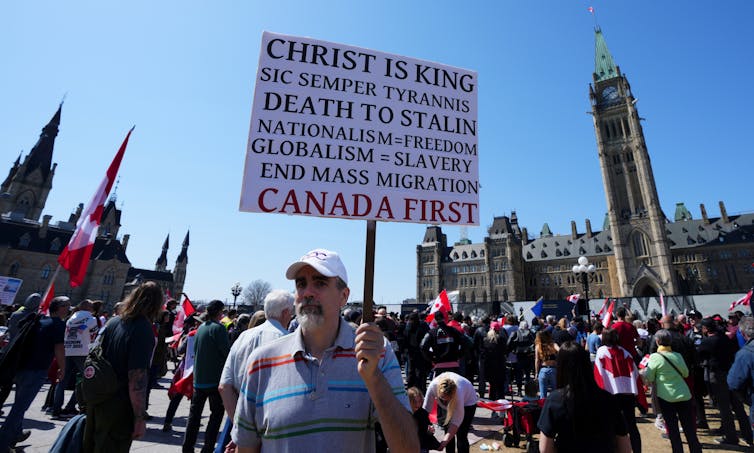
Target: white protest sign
(9, 287)
(341, 131)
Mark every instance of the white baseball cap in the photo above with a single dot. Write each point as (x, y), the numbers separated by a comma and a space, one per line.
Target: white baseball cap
(325, 262)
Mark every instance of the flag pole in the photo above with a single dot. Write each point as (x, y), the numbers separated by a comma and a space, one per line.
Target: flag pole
(366, 315)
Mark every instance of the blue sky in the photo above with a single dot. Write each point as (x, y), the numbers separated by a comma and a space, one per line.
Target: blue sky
(183, 73)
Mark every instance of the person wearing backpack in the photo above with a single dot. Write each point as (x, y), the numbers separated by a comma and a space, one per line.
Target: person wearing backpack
(521, 344)
(43, 343)
(444, 346)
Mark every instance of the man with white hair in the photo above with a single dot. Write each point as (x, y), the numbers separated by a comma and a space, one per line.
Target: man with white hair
(322, 388)
(278, 309)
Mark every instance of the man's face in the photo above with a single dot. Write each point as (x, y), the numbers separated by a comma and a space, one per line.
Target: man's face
(318, 299)
(63, 310)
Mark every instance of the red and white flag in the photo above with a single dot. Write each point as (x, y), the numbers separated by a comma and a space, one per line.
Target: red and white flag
(590, 9)
(607, 319)
(662, 305)
(188, 307)
(45, 305)
(573, 298)
(602, 309)
(75, 256)
(746, 300)
(441, 304)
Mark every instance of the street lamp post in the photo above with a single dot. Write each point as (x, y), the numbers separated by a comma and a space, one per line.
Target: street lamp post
(236, 291)
(584, 272)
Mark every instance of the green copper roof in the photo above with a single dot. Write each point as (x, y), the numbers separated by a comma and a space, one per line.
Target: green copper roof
(604, 67)
(681, 213)
(545, 231)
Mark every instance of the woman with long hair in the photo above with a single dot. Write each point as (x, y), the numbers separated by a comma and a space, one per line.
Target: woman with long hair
(579, 416)
(616, 372)
(493, 352)
(456, 405)
(545, 361)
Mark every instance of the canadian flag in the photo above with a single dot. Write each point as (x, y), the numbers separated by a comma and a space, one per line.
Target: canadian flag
(746, 300)
(602, 309)
(188, 307)
(607, 319)
(45, 305)
(75, 255)
(441, 304)
(573, 298)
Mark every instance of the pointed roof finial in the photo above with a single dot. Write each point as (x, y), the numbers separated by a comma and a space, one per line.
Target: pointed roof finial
(114, 195)
(604, 66)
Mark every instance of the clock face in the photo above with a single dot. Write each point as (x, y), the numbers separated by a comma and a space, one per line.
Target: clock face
(610, 93)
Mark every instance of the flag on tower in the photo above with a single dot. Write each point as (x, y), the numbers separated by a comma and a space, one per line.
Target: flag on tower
(590, 9)
(75, 256)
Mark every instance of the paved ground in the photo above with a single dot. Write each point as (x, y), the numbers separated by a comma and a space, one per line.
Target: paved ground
(485, 429)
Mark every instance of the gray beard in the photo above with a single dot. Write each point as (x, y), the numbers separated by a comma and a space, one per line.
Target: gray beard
(310, 315)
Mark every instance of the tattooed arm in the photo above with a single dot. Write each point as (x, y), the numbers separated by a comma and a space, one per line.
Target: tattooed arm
(137, 392)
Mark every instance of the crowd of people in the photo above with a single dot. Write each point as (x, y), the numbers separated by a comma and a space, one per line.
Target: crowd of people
(306, 373)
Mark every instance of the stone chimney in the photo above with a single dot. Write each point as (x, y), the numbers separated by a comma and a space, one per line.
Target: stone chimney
(524, 236)
(45, 225)
(705, 219)
(574, 232)
(723, 213)
(588, 228)
(75, 216)
(126, 237)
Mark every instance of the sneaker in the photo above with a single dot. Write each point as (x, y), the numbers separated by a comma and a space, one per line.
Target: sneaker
(59, 415)
(660, 423)
(725, 441)
(69, 412)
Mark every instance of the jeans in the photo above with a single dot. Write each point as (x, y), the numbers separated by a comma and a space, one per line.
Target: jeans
(627, 404)
(28, 383)
(195, 415)
(73, 366)
(547, 380)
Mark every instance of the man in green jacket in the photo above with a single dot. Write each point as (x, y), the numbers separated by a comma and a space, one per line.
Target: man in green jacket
(211, 346)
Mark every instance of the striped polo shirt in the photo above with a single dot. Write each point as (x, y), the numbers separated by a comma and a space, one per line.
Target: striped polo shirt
(291, 401)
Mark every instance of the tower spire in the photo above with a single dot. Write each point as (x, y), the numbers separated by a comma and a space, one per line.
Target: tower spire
(162, 261)
(183, 257)
(40, 155)
(604, 66)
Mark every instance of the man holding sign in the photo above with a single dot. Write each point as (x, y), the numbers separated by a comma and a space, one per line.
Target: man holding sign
(322, 388)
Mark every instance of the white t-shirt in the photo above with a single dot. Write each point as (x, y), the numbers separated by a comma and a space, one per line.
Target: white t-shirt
(465, 395)
(79, 330)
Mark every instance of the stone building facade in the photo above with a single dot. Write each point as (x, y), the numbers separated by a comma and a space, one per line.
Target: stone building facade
(29, 248)
(640, 252)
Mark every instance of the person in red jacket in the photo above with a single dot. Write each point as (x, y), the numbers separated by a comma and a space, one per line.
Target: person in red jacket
(627, 333)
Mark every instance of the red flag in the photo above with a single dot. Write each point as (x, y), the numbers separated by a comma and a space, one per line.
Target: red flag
(75, 255)
(573, 298)
(746, 300)
(188, 307)
(441, 304)
(590, 9)
(46, 303)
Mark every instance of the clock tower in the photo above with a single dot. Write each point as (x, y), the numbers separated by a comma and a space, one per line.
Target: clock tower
(643, 264)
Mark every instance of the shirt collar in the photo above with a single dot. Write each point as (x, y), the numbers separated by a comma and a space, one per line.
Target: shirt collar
(664, 349)
(344, 340)
(276, 324)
